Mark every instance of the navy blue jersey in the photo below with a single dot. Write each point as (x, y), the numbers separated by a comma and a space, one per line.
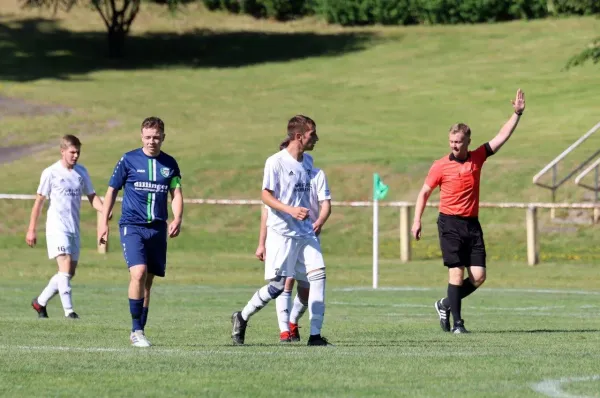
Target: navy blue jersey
(147, 181)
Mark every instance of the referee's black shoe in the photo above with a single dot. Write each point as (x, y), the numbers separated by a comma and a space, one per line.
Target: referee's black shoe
(444, 314)
(459, 327)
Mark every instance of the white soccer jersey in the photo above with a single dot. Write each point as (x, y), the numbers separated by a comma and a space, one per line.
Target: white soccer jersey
(319, 191)
(290, 182)
(64, 188)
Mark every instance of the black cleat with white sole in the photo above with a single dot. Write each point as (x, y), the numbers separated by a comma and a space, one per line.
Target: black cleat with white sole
(444, 315)
(459, 327)
(238, 332)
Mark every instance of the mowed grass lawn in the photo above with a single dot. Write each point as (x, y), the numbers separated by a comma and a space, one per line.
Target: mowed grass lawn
(383, 99)
(530, 328)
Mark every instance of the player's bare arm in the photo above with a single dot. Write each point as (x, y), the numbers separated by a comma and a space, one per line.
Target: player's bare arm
(109, 202)
(177, 208)
(299, 213)
(324, 213)
(262, 235)
(419, 209)
(96, 202)
(509, 127)
(31, 237)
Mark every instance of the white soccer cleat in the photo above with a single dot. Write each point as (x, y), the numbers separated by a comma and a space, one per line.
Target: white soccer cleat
(138, 339)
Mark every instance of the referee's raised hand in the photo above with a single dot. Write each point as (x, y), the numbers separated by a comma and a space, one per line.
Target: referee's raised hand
(519, 102)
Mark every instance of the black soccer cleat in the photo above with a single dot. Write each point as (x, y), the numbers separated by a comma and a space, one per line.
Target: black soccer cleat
(444, 314)
(238, 332)
(459, 327)
(72, 315)
(317, 339)
(40, 309)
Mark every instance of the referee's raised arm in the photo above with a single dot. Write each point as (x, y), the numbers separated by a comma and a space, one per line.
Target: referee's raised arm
(506, 131)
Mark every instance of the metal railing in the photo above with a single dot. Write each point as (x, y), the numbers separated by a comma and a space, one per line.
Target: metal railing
(595, 167)
(595, 187)
(553, 165)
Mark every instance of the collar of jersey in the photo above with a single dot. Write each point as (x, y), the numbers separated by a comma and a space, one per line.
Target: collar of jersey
(453, 158)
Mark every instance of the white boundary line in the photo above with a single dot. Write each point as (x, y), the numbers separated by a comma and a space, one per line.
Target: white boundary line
(552, 388)
(246, 350)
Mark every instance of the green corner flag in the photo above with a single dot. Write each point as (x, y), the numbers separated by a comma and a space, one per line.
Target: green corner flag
(380, 190)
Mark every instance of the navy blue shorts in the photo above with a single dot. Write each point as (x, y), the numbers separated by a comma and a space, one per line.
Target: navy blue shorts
(145, 245)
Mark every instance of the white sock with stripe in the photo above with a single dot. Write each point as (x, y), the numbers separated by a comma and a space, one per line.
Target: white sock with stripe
(282, 306)
(64, 288)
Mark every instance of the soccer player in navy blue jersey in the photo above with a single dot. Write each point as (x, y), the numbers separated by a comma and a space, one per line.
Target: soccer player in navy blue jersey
(147, 176)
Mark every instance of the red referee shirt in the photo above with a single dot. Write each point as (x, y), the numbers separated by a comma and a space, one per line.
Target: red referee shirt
(459, 182)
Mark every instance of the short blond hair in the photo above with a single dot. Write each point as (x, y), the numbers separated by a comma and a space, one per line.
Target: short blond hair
(460, 128)
(69, 140)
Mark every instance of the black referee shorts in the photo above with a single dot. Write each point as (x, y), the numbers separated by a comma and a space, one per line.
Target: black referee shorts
(461, 241)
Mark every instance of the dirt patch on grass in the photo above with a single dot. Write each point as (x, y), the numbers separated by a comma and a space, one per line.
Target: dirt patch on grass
(12, 153)
(17, 107)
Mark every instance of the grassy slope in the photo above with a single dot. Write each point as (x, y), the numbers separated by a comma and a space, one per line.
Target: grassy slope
(383, 99)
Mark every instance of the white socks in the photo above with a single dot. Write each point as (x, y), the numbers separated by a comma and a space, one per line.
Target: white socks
(316, 301)
(64, 288)
(282, 306)
(298, 309)
(59, 283)
(257, 302)
(49, 291)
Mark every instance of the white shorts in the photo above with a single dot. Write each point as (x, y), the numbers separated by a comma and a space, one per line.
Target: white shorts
(292, 257)
(63, 244)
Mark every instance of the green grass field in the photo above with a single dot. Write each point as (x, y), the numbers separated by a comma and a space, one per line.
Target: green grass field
(388, 342)
(383, 99)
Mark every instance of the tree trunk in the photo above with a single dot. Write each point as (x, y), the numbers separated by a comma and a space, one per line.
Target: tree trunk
(116, 42)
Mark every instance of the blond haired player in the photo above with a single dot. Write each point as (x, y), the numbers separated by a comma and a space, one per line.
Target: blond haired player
(64, 183)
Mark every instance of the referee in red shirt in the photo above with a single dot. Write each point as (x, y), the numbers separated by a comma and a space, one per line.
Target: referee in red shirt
(461, 237)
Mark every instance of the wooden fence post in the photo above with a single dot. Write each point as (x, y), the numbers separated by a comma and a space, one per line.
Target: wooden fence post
(405, 233)
(532, 236)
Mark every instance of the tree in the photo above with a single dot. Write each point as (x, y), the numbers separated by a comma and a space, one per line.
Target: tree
(579, 7)
(118, 15)
(592, 53)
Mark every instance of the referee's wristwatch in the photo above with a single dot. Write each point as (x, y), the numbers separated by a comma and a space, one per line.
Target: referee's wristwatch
(519, 113)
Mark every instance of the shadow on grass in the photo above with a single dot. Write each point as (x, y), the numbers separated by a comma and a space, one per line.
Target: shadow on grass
(540, 331)
(39, 48)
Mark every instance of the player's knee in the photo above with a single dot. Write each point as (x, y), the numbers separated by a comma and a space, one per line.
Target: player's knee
(137, 275)
(276, 286)
(478, 280)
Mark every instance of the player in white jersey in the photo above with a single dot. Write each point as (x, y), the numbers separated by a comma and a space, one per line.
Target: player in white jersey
(64, 183)
(292, 248)
(320, 210)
